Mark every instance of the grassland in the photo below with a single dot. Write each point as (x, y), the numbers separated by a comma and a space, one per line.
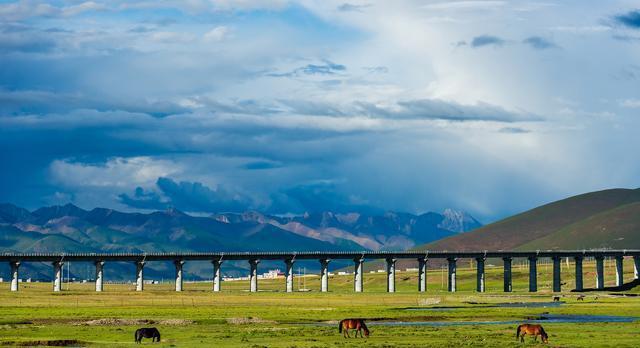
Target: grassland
(272, 318)
(599, 219)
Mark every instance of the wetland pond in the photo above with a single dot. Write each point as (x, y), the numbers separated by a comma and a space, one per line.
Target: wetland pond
(538, 318)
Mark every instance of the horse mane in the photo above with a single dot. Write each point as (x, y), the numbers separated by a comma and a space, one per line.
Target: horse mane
(364, 326)
(543, 332)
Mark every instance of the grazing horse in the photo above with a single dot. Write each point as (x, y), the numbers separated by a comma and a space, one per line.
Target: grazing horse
(531, 329)
(147, 332)
(357, 324)
(580, 298)
(556, 298)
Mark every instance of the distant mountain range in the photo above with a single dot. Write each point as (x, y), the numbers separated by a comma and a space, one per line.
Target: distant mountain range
(69, 228)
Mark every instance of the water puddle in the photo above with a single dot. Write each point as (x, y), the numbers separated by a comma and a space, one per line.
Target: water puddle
(546, 318)
(528, 305)
(496, 305)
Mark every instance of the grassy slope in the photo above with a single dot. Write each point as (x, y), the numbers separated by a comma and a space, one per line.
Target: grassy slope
(537, 223)
(292, 320)
(617, 228)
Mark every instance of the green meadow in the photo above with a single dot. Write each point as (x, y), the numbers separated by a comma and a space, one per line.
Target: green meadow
(272, 318)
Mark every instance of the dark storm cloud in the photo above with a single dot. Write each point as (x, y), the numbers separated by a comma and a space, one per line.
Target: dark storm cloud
(317, 197)
(326, 68)
(329, 68)
(347, 7)
(626, 38)
(311, 107)
(442, 110)
(142, 199)
(487, 40)
(242, 106)
(630, 19)
(260, 165)
(514, 130)
(45, 102)
(197, 197)
(376, 69)
(189, 196)
(539, 43)
(22, 38)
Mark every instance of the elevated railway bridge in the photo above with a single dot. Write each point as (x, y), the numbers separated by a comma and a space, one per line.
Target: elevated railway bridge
(289, 258)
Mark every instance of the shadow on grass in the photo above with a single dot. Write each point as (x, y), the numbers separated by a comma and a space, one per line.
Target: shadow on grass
(623, 287)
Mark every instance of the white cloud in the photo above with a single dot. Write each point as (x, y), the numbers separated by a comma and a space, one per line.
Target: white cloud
(23, 9)
(457, 5)
(74, 10)
(216, 34)
(116, 172)
(630, 103)
(171, 37)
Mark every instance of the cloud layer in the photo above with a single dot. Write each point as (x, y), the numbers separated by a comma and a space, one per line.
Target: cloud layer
(488, 106)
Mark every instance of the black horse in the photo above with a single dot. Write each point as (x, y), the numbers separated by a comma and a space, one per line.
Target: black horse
(147, 332)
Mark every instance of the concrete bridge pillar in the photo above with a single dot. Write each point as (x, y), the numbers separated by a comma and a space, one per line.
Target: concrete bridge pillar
(579, 282)
(253, 275)
(422, 274)
(15, 265)
(557, 278)
(99, 275)
(357, 274)
(599, 272)
(324, 275)
(391, 275)
(451, 287)
(179, 278)
(507, 282)
(217, 278)
(288, 274)
(533, 274)
(480, 280)
(139, 275)
(57, 276)
(636, 267)
(619, 270)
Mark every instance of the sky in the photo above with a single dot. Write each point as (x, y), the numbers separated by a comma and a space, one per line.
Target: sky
(491, 107)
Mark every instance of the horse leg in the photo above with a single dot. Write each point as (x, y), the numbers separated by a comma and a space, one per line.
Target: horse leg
(522, 337)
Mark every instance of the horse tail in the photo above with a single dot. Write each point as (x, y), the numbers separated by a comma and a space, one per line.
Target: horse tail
(518, 332)
(340, 326)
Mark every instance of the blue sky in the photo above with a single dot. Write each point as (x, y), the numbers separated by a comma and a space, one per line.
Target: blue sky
(487, 106)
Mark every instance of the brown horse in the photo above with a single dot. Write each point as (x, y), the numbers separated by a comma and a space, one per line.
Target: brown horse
(531, 329)
(351, 324)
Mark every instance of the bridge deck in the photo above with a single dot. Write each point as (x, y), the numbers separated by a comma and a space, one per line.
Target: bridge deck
(309, 255)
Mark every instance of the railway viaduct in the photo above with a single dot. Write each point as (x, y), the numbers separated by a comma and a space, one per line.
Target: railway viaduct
(289, 258)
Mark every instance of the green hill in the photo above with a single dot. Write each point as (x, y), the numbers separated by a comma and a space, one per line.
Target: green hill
(609, 218)
(617, 228)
